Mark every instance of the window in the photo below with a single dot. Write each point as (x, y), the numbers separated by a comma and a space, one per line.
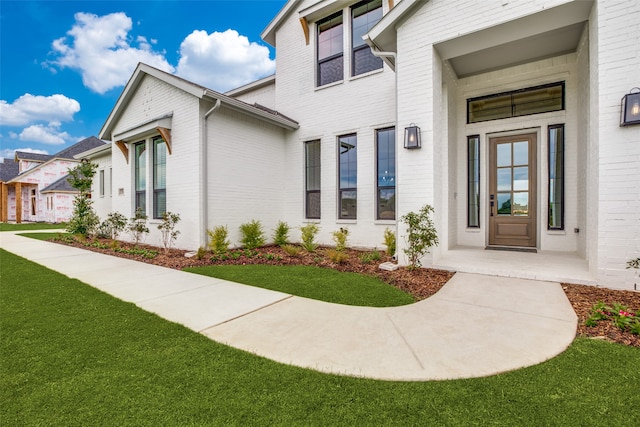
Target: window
(347, 171)
(473, 181)
(386, 173)
(159, 177)
(330, 49)
(140, 165)
(312, 179)
(110, 182)
(101, 182)
(364, 16)
(556, 177)
(523, 102)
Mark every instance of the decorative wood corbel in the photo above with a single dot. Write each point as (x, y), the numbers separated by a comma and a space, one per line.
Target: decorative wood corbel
(125, 150)
(166, 135)
(305, 29)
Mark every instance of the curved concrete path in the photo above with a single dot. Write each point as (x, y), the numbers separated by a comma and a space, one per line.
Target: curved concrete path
(475, 326)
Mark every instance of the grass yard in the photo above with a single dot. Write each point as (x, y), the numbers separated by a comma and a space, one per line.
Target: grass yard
(5, 226)
(312, 282)
(72, 355)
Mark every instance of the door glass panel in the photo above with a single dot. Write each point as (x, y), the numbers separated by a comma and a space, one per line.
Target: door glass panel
(521, 204)
(521, 178)
(504, 179)
(504, 154)
(521, 153)
(504, 204)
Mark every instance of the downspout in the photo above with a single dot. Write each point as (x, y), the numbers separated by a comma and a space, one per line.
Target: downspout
(204, 176)
(381, 54)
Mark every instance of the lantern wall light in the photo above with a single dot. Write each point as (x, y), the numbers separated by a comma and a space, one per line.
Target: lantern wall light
(412, 137)
(630, 108)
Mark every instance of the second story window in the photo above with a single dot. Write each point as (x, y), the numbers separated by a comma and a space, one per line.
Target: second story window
(364, 16)
(330, 50)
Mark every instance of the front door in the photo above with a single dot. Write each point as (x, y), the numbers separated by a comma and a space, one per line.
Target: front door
(512, 191)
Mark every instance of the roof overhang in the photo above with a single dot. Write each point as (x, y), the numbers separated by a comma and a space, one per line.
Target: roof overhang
(94, 152)
(258, 84)
(269, 33)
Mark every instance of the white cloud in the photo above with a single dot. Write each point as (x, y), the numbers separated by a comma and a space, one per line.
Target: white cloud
(36, 108)
(101, 50)
(9, 153)
(50, 135)
(223, 61)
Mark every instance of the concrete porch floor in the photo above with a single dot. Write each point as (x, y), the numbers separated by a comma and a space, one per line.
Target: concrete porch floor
(544, 265)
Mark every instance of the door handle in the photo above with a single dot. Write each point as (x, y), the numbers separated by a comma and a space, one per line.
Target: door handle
(491, 203)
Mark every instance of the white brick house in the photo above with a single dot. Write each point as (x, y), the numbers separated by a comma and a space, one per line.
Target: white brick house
(518, 106)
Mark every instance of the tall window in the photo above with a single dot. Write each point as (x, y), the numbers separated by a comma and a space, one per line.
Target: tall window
(312, 179)
(140, 165)
(473, 181)
(386, 173)
(110, 182)
(556, 177)
(348, 170)
(330, 49)
(364, 16)
(101, 182)
(159, 177)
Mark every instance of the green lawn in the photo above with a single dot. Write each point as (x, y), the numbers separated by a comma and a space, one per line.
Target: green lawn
(312, 282)
(72, 355)
(4, 226)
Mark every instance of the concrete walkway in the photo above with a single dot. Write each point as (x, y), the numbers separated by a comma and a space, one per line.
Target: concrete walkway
(477, 325)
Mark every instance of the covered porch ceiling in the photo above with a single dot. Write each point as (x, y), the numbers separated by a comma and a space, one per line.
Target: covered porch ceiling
(551, 32)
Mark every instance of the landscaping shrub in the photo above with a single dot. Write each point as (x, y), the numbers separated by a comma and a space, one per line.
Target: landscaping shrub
(200, 253)
(83, 220)
(370, 257)
(340, 238)
(218, 242)
(337, 256)
(291, 250)
(252, 235)
(308, 238)
(281, 234)
(112, 226)
(138, 226)
(390, 241)
(421, 234)
(167, 228)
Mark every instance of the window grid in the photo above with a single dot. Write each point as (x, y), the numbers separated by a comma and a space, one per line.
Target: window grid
(364, 16)
(330, 49)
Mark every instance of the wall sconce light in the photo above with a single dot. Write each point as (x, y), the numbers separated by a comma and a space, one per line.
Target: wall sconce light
(630, 108)
(412, 137)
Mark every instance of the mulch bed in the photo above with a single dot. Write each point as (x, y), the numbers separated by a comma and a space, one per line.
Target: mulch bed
(421, 283)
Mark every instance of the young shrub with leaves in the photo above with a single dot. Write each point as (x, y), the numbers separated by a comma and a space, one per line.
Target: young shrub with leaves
(390, 241)
(218, 242)
(252, 235)
(167, 228)
(84, 220)
(340, 238)
(337, 256)
(421, 234)
(138, 226)
(308, 238)
(370, 257)
(281, 234)
(292, 250)
(113, 225)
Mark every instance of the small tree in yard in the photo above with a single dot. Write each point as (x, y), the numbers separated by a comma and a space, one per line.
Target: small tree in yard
(114, 224)
(167, 228)
(84, 220)
(138, 226)
(421, 234)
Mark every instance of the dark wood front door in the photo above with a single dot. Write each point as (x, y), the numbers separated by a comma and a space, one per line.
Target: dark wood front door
(512, 191)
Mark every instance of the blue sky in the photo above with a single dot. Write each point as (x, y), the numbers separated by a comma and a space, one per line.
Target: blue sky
(63, 64)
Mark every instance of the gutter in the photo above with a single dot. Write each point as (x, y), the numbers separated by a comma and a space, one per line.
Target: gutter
(204, 176)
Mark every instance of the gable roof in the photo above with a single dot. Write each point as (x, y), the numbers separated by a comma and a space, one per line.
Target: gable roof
(269, 33)
(36, 157)
(79, 147)
(194, 89)
(61, 185)
(8, 170)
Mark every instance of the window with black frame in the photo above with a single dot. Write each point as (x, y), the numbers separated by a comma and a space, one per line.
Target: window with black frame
(386, 173)
(556, 177)
(159, 177)
(364, 16)
(473, 181)
(140, 167)
(330, 50)
(347, 171)
(312, 179)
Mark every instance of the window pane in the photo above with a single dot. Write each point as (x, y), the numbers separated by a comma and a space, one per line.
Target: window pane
(387, 203)
(348, 204)
(330, 49)
(473, 181)
(312, 159)
(159, 177)
(330, 71)
(521, 178)
(521, 153)
(556, 178)
(159, 203)
(141, 166)
(348, 162)
(313, 205)
(101, 183)
(364, 61)
(364, 16)
(504, 203)
(504, 179)
(504, 154)
(521, 204)
(386, 173)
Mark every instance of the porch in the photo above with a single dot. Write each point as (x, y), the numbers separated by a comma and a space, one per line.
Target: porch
(543, 265)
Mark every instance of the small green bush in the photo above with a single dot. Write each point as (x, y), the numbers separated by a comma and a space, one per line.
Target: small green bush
(200, 253)
(292, 250)
(340, 238)
(138, 226)
(115, 223)
(421, 234)
(167, 228)
(370, 257)
(309, 233)
(252, 235)
(281, 234)
(337, 256)
(218, 242)
(390, 241)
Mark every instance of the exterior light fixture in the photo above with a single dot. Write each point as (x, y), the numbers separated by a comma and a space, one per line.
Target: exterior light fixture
(412, 137)
(630, 108)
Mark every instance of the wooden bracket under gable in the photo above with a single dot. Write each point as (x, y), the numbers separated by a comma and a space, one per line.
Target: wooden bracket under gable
(166, 135)
(125, 150)
(305, 29)
(390, 4)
